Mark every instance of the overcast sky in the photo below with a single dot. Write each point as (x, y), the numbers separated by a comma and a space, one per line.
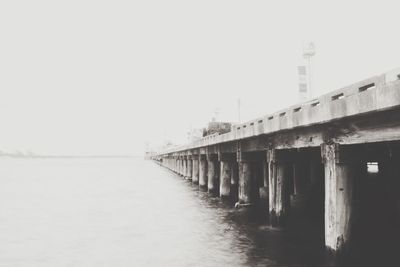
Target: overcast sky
(104, 77)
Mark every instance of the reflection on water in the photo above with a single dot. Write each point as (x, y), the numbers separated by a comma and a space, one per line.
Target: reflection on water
(129, 212)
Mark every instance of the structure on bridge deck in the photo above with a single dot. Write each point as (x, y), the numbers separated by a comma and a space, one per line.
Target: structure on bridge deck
(313, 155)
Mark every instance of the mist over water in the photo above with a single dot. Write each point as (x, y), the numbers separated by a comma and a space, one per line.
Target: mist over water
(131, 212)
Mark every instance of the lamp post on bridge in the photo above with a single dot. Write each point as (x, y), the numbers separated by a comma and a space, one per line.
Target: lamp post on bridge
(308, 53)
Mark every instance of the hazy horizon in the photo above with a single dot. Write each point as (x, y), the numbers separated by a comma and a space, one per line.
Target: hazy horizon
(106, 77)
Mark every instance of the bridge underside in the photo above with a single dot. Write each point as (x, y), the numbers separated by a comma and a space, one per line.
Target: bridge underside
(336, 159)
(342, 173)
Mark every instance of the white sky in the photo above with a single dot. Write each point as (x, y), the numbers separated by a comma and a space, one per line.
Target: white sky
(104, 77)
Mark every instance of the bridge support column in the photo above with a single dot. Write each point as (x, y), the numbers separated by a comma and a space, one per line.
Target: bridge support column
(226, 162)
(195, 169)
(184, 167)
(225, 176)
(264, 190)
(244, 182)
(235, 181)
(342, 167)
(248, 187)
(202, 172)
(213, 172)
(189, 168)
(279, 171)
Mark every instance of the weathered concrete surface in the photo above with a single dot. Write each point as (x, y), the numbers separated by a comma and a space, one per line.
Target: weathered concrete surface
(264, 190)
(189, 169)
(248, 190)
(203, 172)
(185, 171)
(235, 181)
(213, 175)
(341, 169)
(225, 179)
(195, 169)
(280, 171)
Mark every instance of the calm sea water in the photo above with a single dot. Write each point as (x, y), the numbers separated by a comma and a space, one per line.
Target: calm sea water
(129, 212)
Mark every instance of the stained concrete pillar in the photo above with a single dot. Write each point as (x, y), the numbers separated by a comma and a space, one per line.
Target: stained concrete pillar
(185, 167)
(227, 161)
(182, 167)
(175, 162)
(245, 182)
(235, 181)
(343, 164)
(183, 171)
(248, 185)
(202, 172)
(189, 168)
(213, 173)
(279, 171)
(225, 179)
(195, 169)
(264, 191)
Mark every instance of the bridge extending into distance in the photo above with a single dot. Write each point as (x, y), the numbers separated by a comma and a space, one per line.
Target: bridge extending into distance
(338, 155)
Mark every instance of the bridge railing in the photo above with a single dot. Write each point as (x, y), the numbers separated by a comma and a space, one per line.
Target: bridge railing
(369, 95)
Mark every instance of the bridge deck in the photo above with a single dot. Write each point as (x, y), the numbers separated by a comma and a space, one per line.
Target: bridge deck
(368, 97)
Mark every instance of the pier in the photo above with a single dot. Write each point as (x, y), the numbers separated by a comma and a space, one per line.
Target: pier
(336, 156)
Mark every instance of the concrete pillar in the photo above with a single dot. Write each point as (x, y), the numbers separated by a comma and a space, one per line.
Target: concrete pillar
(202, 172)
(248, 184)
(264, 191)
(279, 174)
(195, 170)
(342, 167)
(235, 181)
(225, 178)
(245, 182)
(175, 162)
(185, 167)
(389, 170)
(213, 174)
(189, 168)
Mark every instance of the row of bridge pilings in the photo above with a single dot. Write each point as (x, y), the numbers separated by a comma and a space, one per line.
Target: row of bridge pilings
(332, 182)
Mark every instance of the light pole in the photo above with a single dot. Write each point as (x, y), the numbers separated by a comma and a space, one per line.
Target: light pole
(308, 53)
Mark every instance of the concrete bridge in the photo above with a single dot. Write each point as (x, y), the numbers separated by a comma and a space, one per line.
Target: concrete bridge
(338, 155)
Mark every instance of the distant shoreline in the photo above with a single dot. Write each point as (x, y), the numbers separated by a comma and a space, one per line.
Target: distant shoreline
(68, 156)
